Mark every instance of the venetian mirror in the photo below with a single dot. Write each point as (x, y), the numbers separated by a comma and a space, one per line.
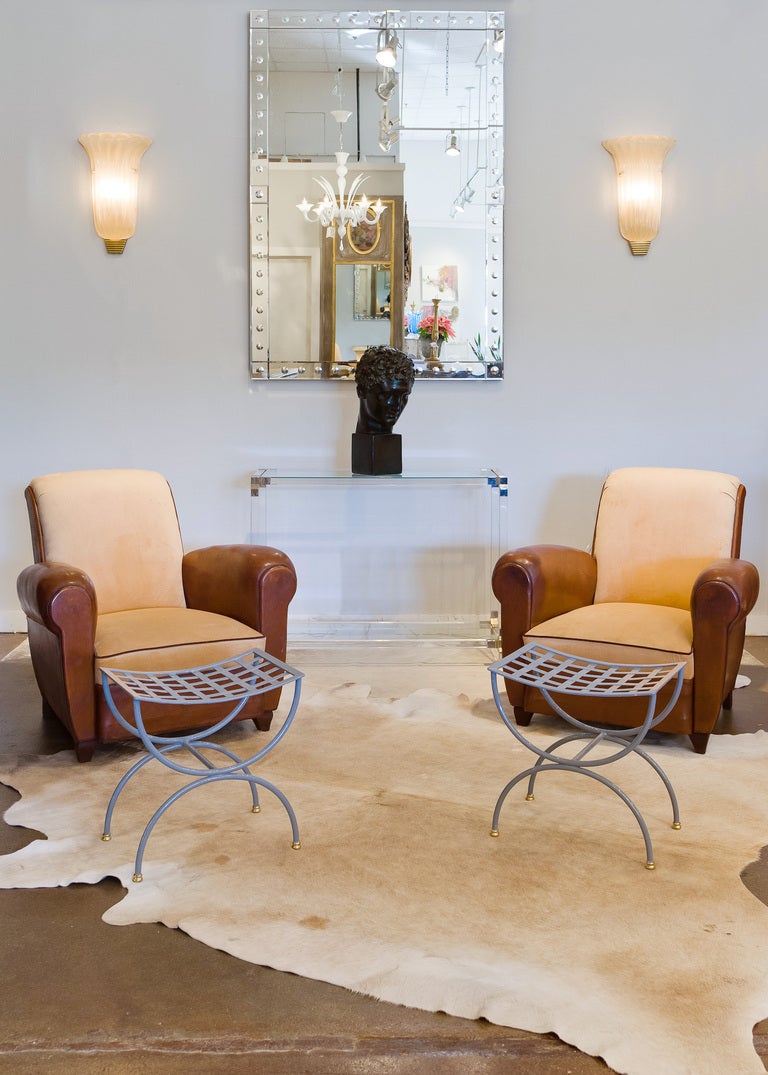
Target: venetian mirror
(376, 192)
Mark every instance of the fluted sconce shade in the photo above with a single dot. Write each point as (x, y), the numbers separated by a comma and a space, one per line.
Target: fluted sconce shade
(639, 160)
(115, 162)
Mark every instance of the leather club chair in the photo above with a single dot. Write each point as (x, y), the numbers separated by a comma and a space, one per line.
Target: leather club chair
(663, 582)
(111, 585)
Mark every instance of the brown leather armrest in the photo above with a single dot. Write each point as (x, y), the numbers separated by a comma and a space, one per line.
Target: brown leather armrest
(537, 582)
(725, 589)
(60, 605)
(59, 597)
(722, 596)
(253, 584)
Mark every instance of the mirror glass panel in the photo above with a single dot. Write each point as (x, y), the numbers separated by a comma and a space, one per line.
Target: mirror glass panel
(371, 298)
(424, 153)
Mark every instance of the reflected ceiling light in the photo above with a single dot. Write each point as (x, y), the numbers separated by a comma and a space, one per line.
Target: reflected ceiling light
(337, 208)
(389, 130)
(452, 145)
(115, 159)
(498, 40)
(386, 48)
(639, 160)
(386, 83)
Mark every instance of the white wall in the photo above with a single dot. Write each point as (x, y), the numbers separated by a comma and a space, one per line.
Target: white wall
(141, 360)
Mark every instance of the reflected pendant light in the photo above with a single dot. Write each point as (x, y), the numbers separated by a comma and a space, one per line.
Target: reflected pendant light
(386, 48)
(337, 210)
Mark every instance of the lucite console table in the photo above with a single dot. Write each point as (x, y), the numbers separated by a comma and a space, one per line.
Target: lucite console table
(386, 557)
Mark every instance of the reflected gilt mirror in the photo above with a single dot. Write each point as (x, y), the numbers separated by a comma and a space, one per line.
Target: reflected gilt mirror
(376, 191)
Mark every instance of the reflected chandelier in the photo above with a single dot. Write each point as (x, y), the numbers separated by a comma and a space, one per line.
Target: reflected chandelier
(337, 209)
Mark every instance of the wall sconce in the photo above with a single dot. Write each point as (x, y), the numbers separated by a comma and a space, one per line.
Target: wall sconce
(115, 184)
(452, 148)
(639, 160)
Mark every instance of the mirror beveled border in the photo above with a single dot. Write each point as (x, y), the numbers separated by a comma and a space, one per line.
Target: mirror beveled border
(261, 22)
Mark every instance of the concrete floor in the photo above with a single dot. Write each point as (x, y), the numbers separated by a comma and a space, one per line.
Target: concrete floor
(81, 996)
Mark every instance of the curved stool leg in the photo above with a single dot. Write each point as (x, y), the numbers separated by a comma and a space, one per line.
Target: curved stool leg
(506, 790)
(107, 833)
(549, 755)
(255, 809)
(667, 784)
(209, 779)
(560, 767)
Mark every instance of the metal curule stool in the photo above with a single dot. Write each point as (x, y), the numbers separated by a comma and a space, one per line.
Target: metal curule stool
(553, 672)
(233, 680)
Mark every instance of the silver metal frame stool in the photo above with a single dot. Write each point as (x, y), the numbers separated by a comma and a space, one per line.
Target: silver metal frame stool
(554, 672)
(235, 680)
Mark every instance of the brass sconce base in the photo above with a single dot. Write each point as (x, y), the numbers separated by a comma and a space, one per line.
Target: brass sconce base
(638, 249)
(115, 246)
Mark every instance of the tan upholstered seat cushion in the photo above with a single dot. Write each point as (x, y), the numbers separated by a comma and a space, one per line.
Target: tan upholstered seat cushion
(160, 639)
(621, 632)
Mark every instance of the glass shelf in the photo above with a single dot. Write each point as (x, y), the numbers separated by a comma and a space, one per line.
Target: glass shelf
(310, 472)
(391, 557)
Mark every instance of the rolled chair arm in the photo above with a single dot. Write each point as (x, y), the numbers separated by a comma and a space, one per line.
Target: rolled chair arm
(253, 584)
(59, 602)
(723, 595)
(60, 598)
(537, 582)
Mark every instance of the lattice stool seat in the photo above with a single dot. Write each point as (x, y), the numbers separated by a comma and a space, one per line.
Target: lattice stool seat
(233, 680)
(555, 673)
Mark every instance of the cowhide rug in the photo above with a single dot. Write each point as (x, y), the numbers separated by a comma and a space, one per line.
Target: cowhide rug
(400, 893)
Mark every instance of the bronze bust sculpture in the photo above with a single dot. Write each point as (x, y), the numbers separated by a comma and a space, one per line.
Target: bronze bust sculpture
(384, 378)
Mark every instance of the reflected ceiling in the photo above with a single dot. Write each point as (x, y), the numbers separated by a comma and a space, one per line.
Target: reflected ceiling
(434, 71)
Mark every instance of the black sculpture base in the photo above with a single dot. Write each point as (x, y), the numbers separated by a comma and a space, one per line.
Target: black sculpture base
(377, 453)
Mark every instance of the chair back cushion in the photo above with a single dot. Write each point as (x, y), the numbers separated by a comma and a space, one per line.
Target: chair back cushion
(118, 526)
(658, 527)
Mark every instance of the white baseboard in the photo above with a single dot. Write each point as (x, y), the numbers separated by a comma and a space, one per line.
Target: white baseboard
(12, 620)
(757, 624)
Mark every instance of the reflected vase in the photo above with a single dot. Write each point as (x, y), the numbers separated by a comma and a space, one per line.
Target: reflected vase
(425, 346)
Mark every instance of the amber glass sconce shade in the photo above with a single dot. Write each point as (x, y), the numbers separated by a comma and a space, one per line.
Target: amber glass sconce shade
(115, 162)
(639, 160)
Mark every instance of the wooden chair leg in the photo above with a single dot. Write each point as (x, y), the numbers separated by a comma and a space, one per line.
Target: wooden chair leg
(699, 741)
(264, 721)
(522, 717)
(85, 751)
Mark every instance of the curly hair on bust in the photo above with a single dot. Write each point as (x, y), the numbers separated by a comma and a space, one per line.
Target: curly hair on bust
(379, 363)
